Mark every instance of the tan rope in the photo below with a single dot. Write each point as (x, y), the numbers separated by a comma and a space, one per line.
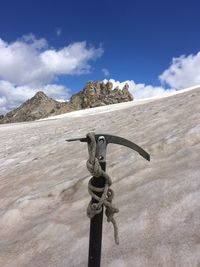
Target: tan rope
(95, 169)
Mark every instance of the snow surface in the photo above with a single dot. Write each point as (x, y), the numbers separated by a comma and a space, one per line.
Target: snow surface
(43, 186)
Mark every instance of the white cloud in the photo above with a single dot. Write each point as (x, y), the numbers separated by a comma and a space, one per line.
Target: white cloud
(140, 90)
(31, 61)
(58, 32)
(105, 72)
(72, 59)
(183, 72)
(29, 65)
(56, 91)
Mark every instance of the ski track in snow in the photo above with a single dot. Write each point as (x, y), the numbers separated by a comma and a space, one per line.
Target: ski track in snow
(43, 186)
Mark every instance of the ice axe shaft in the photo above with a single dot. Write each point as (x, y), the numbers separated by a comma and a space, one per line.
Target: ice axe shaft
(96, 225)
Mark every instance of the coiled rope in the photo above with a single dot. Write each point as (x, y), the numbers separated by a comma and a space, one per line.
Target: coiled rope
(95, 169)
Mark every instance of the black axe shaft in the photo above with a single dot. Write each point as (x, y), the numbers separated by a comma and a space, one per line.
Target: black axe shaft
(96, 223)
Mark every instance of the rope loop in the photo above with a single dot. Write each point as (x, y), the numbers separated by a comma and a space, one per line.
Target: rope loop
(95, 169)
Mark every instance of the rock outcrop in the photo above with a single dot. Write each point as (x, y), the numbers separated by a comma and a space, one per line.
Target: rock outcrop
(94, 94)
(97, 94)
(39, 106)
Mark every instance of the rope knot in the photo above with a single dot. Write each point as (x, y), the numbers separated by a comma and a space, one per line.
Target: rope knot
(94, 167)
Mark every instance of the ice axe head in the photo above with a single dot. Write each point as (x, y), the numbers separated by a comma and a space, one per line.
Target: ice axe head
(105, 139)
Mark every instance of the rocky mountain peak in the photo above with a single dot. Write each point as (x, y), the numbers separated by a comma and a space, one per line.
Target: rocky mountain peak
(37, 107)
(94, 94)
(41, 95)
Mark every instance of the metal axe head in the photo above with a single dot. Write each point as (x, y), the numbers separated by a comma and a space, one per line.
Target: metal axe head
(113, 139)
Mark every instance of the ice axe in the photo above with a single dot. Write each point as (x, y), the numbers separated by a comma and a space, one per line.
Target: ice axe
(97, 144)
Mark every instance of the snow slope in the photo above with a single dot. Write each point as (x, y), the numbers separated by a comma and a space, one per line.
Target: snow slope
(43, 186)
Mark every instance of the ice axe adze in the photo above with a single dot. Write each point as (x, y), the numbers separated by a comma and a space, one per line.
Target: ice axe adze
(102, 140)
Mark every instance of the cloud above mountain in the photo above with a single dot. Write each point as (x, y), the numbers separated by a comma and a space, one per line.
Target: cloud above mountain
(30, 64)
(31, 61)
(105, 72)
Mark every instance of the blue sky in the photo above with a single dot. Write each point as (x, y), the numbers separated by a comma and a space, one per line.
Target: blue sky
(134, 41)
